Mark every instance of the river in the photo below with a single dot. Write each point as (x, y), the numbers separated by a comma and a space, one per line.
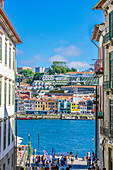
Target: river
(62, 135)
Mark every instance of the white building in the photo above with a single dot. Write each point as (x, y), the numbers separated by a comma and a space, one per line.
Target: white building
(8, 40)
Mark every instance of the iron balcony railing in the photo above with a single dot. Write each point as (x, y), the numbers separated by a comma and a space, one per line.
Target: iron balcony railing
(99, 66)
(108, 85)
(106, 132)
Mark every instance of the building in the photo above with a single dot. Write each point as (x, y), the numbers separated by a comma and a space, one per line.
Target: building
(104, 71)
(51, 105)
(58, 79)
(64, 106)
(39, 104)
(41, 69)
(24, 105)
(84, 78)
(78, 89)
(74, 108)
(8, 40)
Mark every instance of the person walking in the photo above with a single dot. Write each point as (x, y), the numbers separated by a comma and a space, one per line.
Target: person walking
(29, 167)
(42, 167)
(62, 167)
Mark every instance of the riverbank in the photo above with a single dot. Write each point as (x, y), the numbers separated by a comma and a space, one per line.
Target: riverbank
(66, 117)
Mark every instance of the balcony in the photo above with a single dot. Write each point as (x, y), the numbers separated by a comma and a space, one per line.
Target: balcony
(108, 85)
(99, 68)
(106, 132)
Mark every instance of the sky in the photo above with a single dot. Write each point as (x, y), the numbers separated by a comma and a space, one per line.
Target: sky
(54, 30)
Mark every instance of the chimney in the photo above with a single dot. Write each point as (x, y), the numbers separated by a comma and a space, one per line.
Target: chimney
(1, 3)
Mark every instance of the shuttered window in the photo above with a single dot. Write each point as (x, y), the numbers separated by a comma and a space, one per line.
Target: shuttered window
(9, 94)
(5, 93)
(111, 66)
(9, 132)
(13, 60)
(111, 114)
(5, 53)
(13, 94)
(4, 135)
(111, 24)
(10, 57)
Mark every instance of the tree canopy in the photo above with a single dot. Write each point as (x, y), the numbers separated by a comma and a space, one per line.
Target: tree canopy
(60, 68)
(27, 73)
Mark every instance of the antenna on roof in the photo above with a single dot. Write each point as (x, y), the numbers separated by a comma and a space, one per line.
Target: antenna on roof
(2, 3)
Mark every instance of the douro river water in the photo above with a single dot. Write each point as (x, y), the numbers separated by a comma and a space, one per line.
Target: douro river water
(62, 135)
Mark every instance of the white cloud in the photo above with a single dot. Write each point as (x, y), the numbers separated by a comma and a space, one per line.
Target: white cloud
(57, 58)
(70, 51)
(78, 64)
(19, 52)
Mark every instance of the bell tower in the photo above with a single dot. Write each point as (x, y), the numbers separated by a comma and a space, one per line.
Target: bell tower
(2, 3)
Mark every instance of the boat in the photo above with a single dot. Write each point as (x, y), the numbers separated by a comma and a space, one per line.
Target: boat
(23, 118)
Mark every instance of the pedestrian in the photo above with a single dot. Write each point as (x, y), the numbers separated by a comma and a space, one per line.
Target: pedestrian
(34, 151)
(29, 167)
(62, 160)
(42, 167)
(72, 159)
(62, 167)
(46, 168)
(76, 157)
(56, 167)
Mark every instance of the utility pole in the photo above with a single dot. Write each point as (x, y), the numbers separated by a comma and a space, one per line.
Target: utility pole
(96, 114)
(38, 143)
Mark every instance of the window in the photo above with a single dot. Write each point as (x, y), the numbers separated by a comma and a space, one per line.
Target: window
(5, 53)
(3, 166)
(13, 94)
(8, 161)
(111, 115)
(9, 94)
(9, 132)
(4, 135)
(111, 66)
(111, 24)
(5, 93)
(0, 92)
(13, 60)
(12, 160)
(12, 129)
(10, 57)
(0, 49)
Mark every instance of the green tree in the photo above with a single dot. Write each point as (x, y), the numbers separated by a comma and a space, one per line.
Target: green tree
(27, 73)
(38, 76)
(30, 81)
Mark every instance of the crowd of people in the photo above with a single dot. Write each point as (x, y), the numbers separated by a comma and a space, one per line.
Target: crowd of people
(59, 163)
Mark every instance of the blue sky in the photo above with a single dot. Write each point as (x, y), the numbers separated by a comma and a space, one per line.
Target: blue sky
(54, 30)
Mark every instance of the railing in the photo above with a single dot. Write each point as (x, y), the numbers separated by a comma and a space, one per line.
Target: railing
(99, 66)
(106, 132)
(108, 85)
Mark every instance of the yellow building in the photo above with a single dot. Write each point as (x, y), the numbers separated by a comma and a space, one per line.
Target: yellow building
(39, 104)
(74, 108)
(51, 105)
